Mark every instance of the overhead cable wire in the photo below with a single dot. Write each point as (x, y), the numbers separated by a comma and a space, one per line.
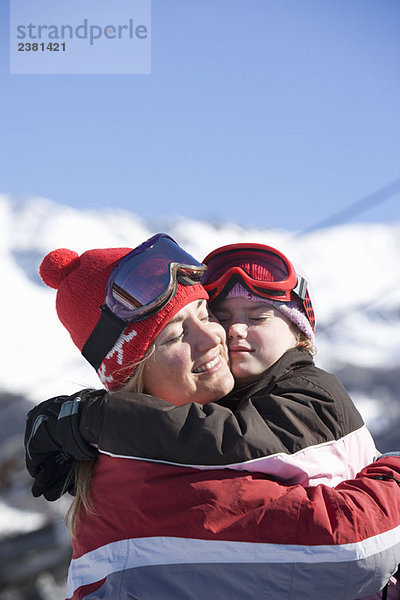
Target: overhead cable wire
(343, 216)
(358, 207)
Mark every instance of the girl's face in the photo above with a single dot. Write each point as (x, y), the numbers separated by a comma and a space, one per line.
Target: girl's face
(257, 336)
(190, 359)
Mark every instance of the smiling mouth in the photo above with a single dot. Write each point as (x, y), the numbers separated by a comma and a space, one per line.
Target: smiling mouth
(208, 366)
(240, 350)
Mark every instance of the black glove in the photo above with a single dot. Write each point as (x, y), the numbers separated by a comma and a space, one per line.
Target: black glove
(55, 477)
(53, 443)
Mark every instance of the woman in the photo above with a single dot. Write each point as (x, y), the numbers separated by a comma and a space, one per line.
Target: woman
(157, 531)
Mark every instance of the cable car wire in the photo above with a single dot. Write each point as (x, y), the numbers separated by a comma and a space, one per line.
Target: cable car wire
(358, 207)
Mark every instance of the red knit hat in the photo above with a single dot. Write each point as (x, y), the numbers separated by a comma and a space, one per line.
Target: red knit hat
(81, 283)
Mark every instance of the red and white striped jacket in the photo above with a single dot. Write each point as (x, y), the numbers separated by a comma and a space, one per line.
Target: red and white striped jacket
(189, 501)
(160, 532)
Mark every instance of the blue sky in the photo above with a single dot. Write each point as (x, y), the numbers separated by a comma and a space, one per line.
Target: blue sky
(275, 113)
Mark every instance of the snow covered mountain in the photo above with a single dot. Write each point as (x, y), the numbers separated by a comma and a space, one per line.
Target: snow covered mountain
(354, 272)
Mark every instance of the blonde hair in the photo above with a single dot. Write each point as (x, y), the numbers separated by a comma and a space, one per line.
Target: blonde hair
(82, 470)
(304, 342)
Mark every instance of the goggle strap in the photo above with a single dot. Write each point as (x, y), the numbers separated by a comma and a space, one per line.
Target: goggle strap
(103, 337)
(301, 287)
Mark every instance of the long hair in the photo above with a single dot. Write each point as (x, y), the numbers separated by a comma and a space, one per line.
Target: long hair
(82, 470)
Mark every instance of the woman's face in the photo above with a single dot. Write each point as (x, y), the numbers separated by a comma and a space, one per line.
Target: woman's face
(190, 359)
(257, 336)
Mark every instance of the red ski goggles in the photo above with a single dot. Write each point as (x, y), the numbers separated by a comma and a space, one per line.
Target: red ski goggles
(261, 269)
(141, 283)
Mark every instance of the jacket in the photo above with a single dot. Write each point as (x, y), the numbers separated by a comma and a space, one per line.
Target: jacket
(296, 423)
(160, 532)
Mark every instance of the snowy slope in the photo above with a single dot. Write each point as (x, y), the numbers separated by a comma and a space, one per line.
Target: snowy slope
(354, 271)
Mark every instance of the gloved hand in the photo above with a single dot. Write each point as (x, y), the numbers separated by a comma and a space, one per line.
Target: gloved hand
(55, 477)
(53, 443)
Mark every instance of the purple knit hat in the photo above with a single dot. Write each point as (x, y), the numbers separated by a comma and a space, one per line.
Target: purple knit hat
(292, 310)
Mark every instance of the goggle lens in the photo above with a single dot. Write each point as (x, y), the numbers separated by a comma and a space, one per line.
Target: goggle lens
(263, 266)
(143, 278)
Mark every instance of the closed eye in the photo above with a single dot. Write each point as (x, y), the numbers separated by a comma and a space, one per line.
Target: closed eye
(176, 338)
(204, 318)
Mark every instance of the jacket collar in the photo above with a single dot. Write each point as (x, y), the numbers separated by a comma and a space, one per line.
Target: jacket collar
(293, 359)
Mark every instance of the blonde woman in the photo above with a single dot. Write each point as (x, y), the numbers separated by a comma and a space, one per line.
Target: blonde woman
(150, 530)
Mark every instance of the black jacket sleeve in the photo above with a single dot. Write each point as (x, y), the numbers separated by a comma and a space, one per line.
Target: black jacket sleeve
(147, 427)
(293, 406)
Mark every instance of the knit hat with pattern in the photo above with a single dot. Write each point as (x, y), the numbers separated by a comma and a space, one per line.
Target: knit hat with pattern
(81, 283)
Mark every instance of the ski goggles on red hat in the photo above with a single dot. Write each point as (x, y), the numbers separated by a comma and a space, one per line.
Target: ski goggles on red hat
(141, 283)
(261, 269)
